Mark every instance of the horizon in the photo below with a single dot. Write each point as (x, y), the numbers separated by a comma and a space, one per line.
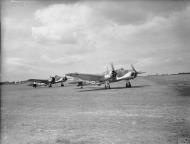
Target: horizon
(142, 75)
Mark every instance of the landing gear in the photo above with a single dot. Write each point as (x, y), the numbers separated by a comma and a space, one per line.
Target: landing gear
(34, 85)
(50, 85)
(107, 85)
(62, 85)
(128, 84)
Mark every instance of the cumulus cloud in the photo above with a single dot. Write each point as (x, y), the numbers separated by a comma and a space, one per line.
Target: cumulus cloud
(63, 23)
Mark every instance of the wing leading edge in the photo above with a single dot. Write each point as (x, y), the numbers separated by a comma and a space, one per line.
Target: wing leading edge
(89, 77)
(38, 80)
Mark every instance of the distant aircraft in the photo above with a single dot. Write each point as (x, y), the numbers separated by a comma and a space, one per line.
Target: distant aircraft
(48, 82)
(108, 77)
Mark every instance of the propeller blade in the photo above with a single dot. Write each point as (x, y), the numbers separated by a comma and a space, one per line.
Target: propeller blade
(107, 69)
(113, 72)
(133, 68)
(113, 69)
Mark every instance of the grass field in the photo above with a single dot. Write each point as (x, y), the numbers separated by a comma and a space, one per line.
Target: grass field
(155, 110)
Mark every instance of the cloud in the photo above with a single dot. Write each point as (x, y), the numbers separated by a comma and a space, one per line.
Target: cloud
(61, 23)
(115, 30)
(137, 12)
(14, 67)
(14, 24)
(62, 60)
(14, 61)
(14, 28)
(84, 36)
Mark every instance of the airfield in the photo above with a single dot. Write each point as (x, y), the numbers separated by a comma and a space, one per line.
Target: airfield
(156, 110)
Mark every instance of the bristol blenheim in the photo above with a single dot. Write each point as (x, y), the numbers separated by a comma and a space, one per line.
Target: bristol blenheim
(110, 76)
(48, 82)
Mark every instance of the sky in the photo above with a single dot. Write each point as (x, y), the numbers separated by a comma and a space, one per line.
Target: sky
(43, 38)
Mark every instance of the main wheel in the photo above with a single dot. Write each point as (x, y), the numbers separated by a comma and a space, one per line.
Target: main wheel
(62, 85)
(34, 85)
(129, 84)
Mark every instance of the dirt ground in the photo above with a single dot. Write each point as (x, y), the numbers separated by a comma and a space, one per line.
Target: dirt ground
(155, 110)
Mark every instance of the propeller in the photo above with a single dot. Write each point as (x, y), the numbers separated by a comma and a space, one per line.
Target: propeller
(133, 68)
(66, 78)
(52, 79)
(112, 67)
(136, 72)
(114, 73)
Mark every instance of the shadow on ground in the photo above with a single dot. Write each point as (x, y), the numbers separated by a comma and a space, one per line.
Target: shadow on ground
(182, 90)
(99, 89)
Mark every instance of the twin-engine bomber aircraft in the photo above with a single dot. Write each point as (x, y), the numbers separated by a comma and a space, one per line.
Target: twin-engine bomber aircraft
(108, 77)
(48, 82)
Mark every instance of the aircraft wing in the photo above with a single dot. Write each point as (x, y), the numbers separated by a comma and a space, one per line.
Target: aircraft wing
(89, 77)
(38, 80)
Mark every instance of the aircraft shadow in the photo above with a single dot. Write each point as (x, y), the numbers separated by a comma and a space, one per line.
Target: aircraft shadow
(102, 88)
(47, 87)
